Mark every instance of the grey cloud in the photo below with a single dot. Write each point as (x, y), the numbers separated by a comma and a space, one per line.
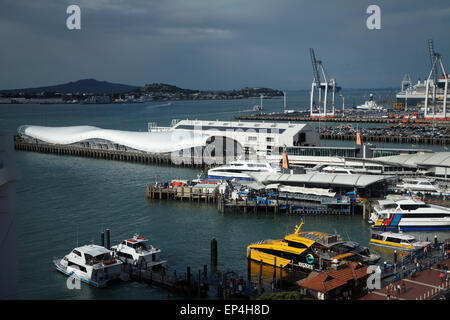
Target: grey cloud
(218, 44)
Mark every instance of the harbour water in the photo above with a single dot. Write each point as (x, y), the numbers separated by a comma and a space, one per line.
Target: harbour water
(63, 201)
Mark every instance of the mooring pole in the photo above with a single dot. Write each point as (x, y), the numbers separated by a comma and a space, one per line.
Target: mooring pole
(188, 276)
(102, 239)
(213, 252)
(108, 239)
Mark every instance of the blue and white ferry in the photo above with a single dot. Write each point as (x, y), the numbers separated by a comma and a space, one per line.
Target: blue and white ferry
(398, 212)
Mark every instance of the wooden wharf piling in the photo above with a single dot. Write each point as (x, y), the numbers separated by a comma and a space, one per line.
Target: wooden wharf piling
(210, 195)
(189, 193)
(109, 154)
(183, 286)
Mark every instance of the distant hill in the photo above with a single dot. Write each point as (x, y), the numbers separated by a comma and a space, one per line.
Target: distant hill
(165, 88)
(80, 86)
(157, 89)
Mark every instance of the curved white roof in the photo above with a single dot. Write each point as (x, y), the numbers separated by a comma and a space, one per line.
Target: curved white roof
(332, 179)
(428, 159)
(157, 142)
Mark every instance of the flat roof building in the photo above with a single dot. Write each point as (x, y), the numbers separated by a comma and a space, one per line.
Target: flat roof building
(260, 137)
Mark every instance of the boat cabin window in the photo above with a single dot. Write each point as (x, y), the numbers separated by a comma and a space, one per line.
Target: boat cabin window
(76, 266)
(377, 236)
(141, 245)
(332, 239)
(390, 206)
(395, 240)
(409, 206)
(125, 255)
(97, 259)
(295, 244)
(137, 245)
(78, 253)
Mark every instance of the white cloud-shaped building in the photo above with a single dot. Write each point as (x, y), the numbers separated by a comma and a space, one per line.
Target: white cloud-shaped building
(88, 136)
(191, 138)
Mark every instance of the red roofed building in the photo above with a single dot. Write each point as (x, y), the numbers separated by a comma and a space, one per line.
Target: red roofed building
(349, 280)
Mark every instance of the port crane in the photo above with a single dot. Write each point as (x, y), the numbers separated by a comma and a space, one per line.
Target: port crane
(324, 87)
(434, 84)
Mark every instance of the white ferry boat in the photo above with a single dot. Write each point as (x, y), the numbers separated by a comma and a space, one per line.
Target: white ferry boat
(417, 185)
(331, 169)
(406, 213)
(397, 240)
(91, 264)
(138, 252)
(238, 170)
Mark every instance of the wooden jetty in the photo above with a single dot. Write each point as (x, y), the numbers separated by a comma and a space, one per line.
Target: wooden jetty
(187, 284)
(108, 154)
(256, 204)
(190, 193)
(228, 284)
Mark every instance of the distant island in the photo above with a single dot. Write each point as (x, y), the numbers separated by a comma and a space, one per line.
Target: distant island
(91, 91)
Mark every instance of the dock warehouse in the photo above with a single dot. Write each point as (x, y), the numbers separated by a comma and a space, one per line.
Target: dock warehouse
(365, 185)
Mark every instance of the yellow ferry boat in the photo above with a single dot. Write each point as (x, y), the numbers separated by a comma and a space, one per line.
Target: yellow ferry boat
(308, 251)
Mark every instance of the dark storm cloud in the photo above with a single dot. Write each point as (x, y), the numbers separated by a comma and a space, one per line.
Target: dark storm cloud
(218, 44)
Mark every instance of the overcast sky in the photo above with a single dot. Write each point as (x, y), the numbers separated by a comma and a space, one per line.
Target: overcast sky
(219, 44)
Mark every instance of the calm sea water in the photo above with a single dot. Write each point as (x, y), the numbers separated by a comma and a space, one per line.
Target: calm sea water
(65, 201)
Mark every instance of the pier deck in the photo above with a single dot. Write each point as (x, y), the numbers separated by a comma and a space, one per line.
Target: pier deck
(181, 193)
(210, 195)
(108, 154)
(424, 285)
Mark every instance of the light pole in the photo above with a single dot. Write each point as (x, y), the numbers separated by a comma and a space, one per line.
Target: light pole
(343, 103)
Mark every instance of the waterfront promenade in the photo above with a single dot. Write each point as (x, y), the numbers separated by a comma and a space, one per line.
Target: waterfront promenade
(420, 285)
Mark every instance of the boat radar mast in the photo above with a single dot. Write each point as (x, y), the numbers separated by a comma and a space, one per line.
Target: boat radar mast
(297, 230)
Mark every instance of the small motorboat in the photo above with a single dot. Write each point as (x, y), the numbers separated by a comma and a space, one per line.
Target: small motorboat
(397, 240)
(138, 252)
(91, 264)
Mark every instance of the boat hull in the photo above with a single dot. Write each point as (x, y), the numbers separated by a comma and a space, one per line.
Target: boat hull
(108, 274)
(413, 225)
(82, 278)
(400, 221)
(270, 259)
(223, 177)
(391, 245)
